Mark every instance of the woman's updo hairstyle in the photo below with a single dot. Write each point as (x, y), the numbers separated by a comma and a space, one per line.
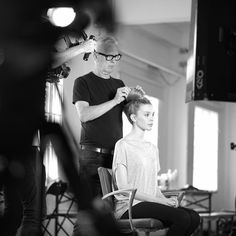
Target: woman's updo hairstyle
(135, 98)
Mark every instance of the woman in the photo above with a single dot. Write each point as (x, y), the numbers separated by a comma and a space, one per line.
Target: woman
(136, 165)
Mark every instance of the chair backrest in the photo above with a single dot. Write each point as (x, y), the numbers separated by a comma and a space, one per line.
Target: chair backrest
(105, 176)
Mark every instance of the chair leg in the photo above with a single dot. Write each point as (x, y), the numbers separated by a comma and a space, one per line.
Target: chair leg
(147, 233)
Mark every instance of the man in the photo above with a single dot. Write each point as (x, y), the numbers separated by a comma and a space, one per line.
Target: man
(98, 98)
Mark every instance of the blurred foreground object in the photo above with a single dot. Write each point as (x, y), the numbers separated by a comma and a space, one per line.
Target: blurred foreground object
(26, 45)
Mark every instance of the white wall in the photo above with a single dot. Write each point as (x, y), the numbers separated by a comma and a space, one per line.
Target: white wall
(176, 125)
(227, 159)
(174, 145)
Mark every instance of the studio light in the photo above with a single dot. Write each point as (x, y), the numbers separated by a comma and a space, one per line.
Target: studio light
(61, 16)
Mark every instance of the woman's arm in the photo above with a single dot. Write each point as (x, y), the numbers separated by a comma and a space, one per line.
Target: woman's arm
(70, 53)
(122, 183)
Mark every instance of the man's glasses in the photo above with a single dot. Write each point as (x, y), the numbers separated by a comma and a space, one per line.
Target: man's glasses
(110, 57)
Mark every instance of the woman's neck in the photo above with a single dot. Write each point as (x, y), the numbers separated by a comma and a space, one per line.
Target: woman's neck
(136, 134)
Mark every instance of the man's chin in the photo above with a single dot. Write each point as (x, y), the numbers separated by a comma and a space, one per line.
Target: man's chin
(108, 72)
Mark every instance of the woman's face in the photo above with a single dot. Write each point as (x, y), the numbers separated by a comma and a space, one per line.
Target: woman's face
(144, 117)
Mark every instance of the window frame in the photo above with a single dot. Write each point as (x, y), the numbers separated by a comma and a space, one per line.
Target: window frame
(50, 157)
(212, 106)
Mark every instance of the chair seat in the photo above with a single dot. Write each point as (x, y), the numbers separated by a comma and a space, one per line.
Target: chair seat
(147, 223)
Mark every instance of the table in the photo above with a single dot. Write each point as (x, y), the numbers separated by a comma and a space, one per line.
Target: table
(222, 218)
(199, 200)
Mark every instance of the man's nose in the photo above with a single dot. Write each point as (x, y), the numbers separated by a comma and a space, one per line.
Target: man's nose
(113, 60)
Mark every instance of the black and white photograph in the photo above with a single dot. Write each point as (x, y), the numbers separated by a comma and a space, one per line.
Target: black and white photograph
(117, 118)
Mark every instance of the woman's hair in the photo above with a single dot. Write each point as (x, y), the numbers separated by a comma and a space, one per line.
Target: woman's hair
(135, 98)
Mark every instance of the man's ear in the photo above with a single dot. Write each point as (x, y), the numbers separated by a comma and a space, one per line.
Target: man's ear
(133, 117)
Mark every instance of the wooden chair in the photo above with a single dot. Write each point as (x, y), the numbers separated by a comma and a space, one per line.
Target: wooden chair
(146, 225)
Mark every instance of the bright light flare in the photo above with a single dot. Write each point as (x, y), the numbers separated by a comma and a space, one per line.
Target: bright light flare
(61, 16)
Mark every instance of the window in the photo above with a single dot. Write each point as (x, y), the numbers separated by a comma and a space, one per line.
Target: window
(152, 135)
(53, 112)
(205, 154)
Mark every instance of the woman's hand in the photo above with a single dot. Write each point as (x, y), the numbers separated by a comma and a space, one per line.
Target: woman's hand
(172, 201)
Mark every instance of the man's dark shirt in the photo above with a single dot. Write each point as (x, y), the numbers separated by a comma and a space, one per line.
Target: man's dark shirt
(105, 130)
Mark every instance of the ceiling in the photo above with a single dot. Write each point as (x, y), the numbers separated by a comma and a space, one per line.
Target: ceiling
(166, 21)
(152, 11)
(153, 15)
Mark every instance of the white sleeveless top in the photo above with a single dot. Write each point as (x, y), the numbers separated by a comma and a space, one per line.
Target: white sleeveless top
(141, 158)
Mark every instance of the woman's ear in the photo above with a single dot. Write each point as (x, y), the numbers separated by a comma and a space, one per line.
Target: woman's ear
(133, 117)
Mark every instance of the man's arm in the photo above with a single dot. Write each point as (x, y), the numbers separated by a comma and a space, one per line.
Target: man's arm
(87, 112)
(61, 57)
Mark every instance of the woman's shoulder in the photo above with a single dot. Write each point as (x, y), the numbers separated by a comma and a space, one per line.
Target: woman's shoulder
(154, 147)
(127, 140)
(121, 142)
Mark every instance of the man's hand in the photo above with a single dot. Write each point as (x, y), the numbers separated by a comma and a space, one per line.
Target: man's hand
(121, 94)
